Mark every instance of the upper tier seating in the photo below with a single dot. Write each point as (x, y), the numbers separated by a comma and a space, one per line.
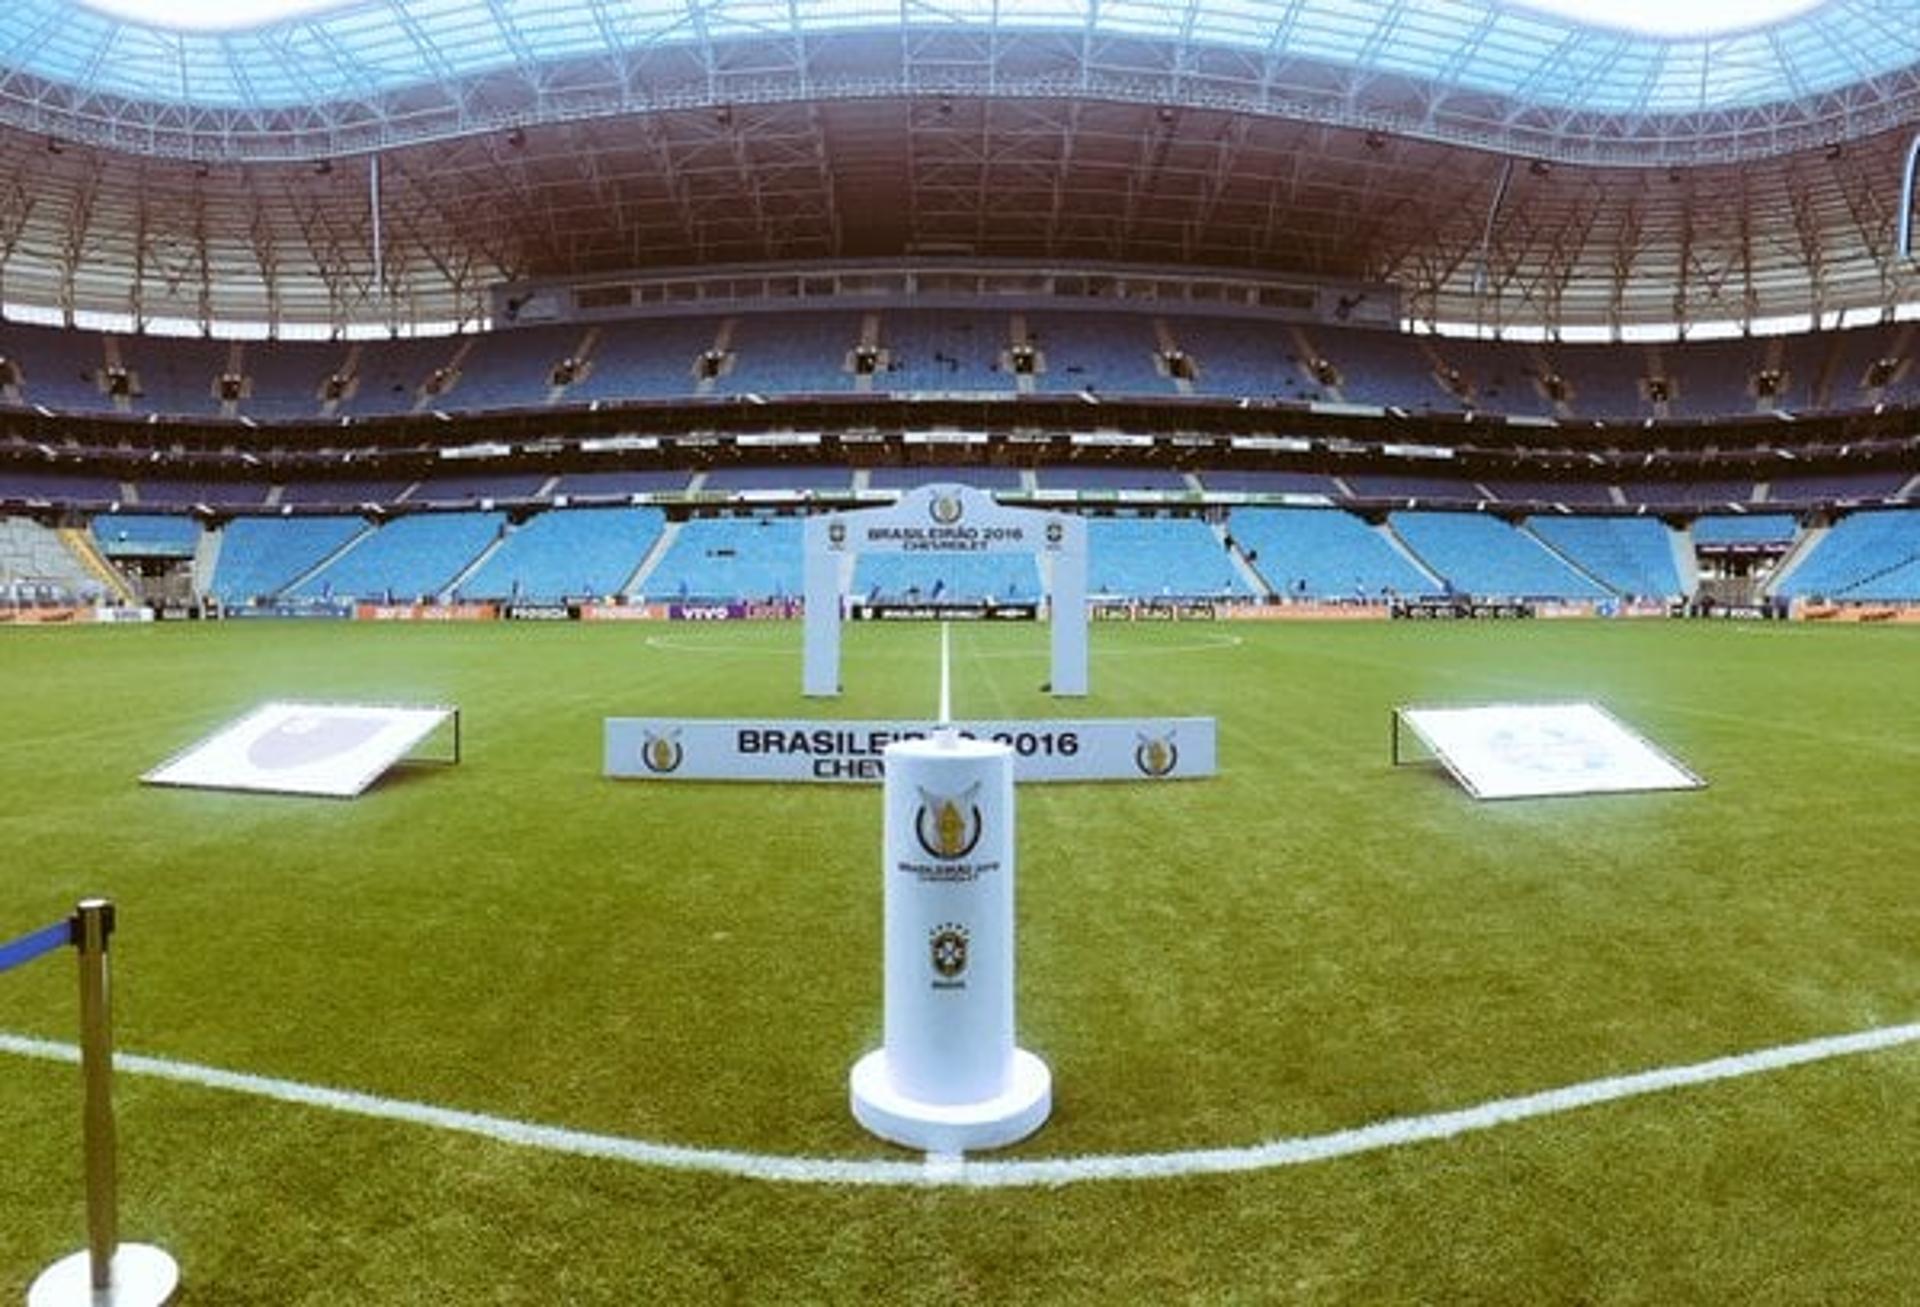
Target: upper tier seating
(409, 558)
(1270, 483)
(343, 492)
(33, 486)
(175, 375)
(730, 558)
(1688, 494)
(473, 488)
(796, 476)
(790, 354)
(1154, 557)
(1236, 359)
(1859, 558)
(570, 553)
(1574, 494)
(906, 478)
(943, 350)
(1366, 485)
(1835, 487)
(1631, 555)
(512, 368)
(1112, 353)
(648, 358)
(1324, 553)
(260, 556)
(599, 484)
(185, 494)
(58, 369)
(1484, 557)
(1100, 477)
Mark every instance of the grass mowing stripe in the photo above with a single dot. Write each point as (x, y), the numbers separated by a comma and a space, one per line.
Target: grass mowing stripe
(938, 1170)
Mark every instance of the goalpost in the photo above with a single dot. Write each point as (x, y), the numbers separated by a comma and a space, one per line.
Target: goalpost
(951, 520)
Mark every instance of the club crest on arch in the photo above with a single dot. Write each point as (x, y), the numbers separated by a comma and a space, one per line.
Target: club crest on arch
(661, 753)
(948, 826)
(947, 950)
(1156, 755)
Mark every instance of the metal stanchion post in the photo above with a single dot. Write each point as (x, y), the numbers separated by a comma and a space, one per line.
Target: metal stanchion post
(107, 1273)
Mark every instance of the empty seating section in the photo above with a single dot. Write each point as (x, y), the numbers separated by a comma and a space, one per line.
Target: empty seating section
(1862, 557)
(1604, 380)
(25, 486)
(409, 558)
(285, 378)
(174, 375)
(1900, 585)
(571, 553)
(1108, 352)
(260, 556)
(932, 350)
(1502, 377)
(1484, 557)
(596, 484)
(145, 535)
(796, 477)
(1270, 483)
(1687, 494)
(906, 478)
(1631, 555)
(511, 368)
(1384, 368)
(1099, 477)
(1714, 378)
(1155, 557)
(36, 567)
(730, 558)
(651, 358)
(1323, 553)
(470, 489)
(58, 369)
(790, 353)
(184, 494)
(392, 372)
(949, 578)
(343, 492)
(1240, 359)
(1571, 493)
(1366, 485)
(1745, 529)
(1835, 487)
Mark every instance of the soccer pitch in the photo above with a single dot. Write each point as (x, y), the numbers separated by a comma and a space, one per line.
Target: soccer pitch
(1311, 943)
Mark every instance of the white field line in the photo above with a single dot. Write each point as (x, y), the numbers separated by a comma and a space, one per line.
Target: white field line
(946, 673)
(946, 1171)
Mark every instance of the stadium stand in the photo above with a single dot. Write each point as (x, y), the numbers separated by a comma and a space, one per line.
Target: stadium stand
(1100, 478)
(260, 556)
(1631, 555)
(32, 486)
(1384, 368)
(1744, 529)
(1687, 494)
(307, 493)
(906, 478)
(1836, 487)
(1270, 483)
(1574, 494)
(185, 494)
(58, 369)
(934, 350)
(145, 535)
(1159, 557)
(950, 578)
(569, 553)
(1486, 558)
(474, 488)
(586, 485)
(392, 374)
(795, 477)
(1324, 553)
(510, 368)
(1366, 485)
(174, 376)
(409, 558)
(790, 353)
(729, 558)
(647, 358)
(36, 567)
(1240, 359)
(1867, 555)
(1112, 353)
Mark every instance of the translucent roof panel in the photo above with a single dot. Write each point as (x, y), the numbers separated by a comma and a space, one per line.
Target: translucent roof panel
(1528, 50)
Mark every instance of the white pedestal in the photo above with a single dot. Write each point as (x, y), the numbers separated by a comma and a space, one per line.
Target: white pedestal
(949, 1078)
(143, 1276)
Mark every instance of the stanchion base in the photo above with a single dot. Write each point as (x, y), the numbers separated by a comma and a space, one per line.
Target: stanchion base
(143, 1276)
(952, 1127)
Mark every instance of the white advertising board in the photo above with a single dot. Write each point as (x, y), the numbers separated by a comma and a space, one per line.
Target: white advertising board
(331, 750)
(1514, 751)
(1087, 749)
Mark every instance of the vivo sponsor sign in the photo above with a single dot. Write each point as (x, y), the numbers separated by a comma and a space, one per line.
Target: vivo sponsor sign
(732, 612)
(1085, 749)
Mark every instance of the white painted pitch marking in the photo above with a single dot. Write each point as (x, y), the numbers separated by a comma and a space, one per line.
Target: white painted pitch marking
(950, 1171)
(946, 673)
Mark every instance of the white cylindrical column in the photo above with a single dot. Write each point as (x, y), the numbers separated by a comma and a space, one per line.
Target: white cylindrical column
(949, 1077)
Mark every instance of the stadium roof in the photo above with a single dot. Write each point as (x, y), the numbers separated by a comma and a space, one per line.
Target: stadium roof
(226, 173)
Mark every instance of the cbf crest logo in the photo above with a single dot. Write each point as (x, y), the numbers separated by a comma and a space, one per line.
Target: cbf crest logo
(945, 509)
(659, 753)
(948, 825)
(1156, 755)
(947, 951)
(836, 534)
(1055, 533)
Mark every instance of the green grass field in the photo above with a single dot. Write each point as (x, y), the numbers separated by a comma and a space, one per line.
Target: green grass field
(1311, 942)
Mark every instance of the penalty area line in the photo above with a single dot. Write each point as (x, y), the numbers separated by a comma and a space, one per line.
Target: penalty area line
(939, 1170)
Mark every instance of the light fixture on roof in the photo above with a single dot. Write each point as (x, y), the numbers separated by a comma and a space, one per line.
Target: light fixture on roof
(1165, 113)
(1835, 150)
(1375, 141)
(54, 146)
(724, 115)
(323, 168)
(1539, 167)
(517, 138)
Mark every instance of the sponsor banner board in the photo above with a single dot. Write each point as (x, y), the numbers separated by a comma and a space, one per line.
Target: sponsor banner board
(540, 612)
(1533, 750)
(1313, 611)
(312, 612)
(105, 613)
(330, 750)
(906, 612)
(771, 610)
(1078, 749)
(1450, 610)
(426, 612)
(624, 613)
(44, 616)
(1154, 610)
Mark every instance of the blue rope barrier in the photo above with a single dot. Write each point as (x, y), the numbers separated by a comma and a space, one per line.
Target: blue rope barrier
(28, 947)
